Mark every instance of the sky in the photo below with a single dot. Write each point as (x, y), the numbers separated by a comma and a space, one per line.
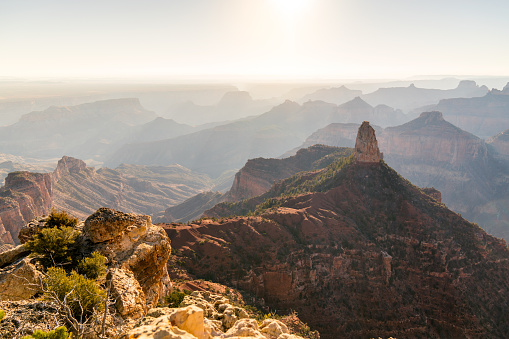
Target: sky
(258, 39)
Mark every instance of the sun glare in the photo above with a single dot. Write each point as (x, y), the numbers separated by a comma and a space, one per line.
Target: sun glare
(290, 8)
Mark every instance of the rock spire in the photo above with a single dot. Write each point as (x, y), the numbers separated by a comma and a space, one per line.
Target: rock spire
(366, 146)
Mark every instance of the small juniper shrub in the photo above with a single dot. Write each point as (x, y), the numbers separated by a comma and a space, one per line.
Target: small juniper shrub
(58, 333)
(84, 295)
(92, 267)
(53, 245)
(59, 219)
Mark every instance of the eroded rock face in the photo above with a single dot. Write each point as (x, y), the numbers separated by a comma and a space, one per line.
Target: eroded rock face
(25, 196)
(130, 299)
(366, 146)
(136, 247)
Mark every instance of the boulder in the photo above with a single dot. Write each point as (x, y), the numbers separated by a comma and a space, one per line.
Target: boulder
(19, 281)
(184, 323)
(107, 224)
(13, 254)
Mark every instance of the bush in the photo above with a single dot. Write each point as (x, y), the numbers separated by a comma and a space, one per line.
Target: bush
(175, 298)
(58, 333)
(2, 314)
(53, 244)
(92, 267)
(84, 297)
(59, 219)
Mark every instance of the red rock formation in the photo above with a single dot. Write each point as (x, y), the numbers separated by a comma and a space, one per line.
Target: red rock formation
(366, 146)
(258, 175)
(373, 256)
(25, 196)
(68, 166)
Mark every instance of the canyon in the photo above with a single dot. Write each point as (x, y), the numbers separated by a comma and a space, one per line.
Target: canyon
(357, 251)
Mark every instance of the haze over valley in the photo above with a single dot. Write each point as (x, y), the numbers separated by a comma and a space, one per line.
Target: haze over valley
(266, 169)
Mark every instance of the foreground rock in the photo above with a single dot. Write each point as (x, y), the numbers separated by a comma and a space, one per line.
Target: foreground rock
(204, 316)
(137, 253)
(138, 249)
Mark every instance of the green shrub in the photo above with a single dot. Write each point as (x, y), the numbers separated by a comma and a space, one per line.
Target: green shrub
(85, 295)
(175, 298)
(59, 219)
(53, 244)
(58, 333)
(2, 314)
(92, 267)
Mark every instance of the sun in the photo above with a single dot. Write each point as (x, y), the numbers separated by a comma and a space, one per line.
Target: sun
(291, 9)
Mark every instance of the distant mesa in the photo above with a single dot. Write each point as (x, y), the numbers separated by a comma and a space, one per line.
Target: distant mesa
(366, 146)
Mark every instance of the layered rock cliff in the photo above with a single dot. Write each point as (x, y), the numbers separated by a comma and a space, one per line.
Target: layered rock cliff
(483, 116)
(258, 175)
(25, 196)
(138, 189)
(255, 178)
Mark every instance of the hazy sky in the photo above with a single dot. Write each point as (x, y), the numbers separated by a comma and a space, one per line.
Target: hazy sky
(253, 38)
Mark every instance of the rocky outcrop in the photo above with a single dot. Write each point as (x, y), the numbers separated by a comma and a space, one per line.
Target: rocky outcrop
(25, 196)
(432, 192)
(137, 253)
(68, 166)
(206, 316)
(371, 256)
(258, 175)
(255, 178)
(366, 146)
(138, 249)
(19, 280)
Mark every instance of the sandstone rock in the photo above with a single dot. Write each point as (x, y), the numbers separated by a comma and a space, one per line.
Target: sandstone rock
(273, 328)
(185, 323)
(19, 281)
(13, 254)
(366, 146)
(135, 245)
(130, 299)
(107, 224)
